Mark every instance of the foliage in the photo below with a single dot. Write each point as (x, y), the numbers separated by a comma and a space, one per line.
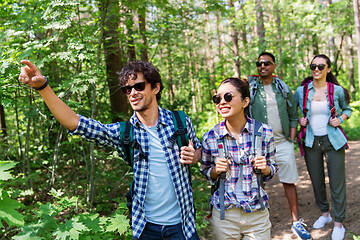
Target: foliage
(190, 43)
(351, 126)
(8, 206)
(59, 221)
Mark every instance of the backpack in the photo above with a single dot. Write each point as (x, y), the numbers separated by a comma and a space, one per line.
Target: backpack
(128, 144)
(279, 84)
(220, 183)
(330, 91)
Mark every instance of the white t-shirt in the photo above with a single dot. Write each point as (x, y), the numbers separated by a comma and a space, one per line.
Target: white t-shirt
(319, 117)
(273, 115)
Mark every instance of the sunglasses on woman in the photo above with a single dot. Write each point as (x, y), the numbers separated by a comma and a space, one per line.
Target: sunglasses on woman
(137, 86)
(320, 66)
(227, 96)
(266, 63)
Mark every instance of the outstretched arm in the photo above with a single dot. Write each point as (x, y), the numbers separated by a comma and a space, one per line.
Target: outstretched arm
(31, 76)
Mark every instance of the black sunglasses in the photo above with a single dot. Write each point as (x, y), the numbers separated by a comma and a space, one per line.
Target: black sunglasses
(227, 96)
(266, 63)
(138, 87)
(320, 66)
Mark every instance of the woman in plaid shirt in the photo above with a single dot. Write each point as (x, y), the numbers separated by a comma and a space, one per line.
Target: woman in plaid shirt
(244, 217)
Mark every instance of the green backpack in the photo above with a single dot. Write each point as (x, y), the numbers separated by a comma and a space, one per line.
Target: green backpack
(128, 144)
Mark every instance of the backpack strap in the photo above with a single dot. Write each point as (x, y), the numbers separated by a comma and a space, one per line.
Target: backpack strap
(257, 148)
(330, 91)
(281, 86)
(180, 134)
(302, 132)
(126, 138)
(220, 185)
(253, 85)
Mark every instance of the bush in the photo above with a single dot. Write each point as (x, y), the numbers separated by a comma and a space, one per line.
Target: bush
(351, 126)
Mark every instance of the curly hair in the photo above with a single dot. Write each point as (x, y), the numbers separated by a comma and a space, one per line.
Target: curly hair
(151, 74)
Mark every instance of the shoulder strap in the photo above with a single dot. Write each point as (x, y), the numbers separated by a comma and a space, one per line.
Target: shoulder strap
(253, 85)
(305, 97)
(330, 92)
(126, 138)
(180, 134)
(281, 86)
(256, 138)
(257, 146)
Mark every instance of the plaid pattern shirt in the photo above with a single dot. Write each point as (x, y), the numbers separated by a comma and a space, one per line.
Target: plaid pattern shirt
(241, 154)
(108, 135)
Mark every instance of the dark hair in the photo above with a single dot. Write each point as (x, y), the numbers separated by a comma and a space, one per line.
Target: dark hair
(268, 54)
(151, 74)
(242, 85)
(330, 77)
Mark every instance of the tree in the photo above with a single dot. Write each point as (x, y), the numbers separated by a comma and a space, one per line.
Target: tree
(114, 57)
(357, 30)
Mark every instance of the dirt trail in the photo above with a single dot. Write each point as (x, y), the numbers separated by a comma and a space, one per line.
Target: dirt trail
(280, 214)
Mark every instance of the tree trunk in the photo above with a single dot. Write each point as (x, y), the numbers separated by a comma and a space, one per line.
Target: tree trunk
(2, 122)
(114, 59)
(169, 68)
(56, 154)
(198, 87)
(331, 37)
(142, 29)
(260, 25)
(351, 58)
(357, 28)
(210, 62)
(234, 39)
(279, 40)
(131, 54)
(220, 42)
(191, 72)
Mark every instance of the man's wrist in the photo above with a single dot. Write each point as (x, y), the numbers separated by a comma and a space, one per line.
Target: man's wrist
(44, 85)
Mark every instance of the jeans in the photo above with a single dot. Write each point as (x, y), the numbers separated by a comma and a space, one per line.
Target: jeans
(161, 232)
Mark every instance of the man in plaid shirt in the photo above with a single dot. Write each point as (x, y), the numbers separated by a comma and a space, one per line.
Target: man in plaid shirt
(163, 205)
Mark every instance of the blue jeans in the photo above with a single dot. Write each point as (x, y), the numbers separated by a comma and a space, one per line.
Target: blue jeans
(162, 232)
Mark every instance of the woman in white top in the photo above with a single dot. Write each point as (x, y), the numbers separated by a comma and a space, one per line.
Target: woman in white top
(324, 137)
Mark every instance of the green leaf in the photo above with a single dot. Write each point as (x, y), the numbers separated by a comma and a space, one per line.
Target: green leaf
(72, 229)
(118, 223)
(8, 210)
(92, 222)
(27, 236)
(4, 166)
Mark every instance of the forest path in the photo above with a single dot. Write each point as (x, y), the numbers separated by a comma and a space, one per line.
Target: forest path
(280, 214)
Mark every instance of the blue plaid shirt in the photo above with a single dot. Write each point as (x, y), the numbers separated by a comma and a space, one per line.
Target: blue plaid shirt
(108, 135)
(241, 154)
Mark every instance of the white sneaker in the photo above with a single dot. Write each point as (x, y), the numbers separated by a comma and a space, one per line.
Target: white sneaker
(320, 223)
(338, 233)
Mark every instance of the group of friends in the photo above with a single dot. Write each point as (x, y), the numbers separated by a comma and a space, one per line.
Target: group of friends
(232, 158)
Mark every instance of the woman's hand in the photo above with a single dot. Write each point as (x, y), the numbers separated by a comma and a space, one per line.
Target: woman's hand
(334, 121)
(261, 164)
(303, 121)
(222, 165)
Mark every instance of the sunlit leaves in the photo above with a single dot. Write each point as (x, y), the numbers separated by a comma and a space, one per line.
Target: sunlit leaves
(8, 210)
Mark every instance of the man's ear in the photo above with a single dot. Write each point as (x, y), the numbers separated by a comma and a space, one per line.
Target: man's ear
(157, 88)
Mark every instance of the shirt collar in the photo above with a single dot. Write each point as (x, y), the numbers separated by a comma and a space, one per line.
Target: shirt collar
(310, 85)
(247, 128)
(164, 118)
